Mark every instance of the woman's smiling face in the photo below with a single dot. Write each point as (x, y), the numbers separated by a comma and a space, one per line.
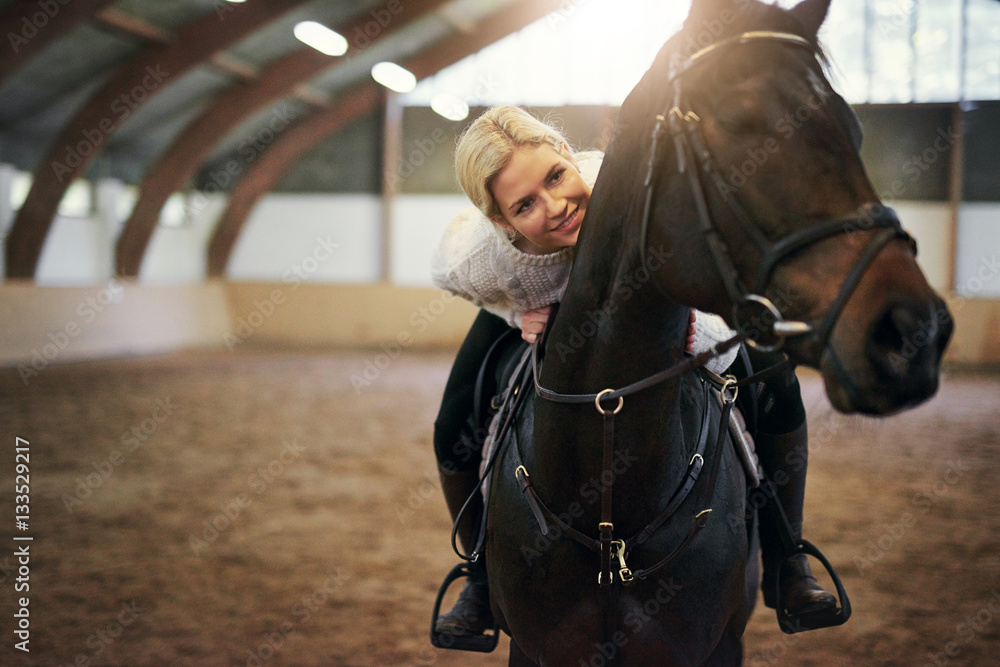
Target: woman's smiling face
(543, 197)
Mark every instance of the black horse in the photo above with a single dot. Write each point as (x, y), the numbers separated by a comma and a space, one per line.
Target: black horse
(732, 184)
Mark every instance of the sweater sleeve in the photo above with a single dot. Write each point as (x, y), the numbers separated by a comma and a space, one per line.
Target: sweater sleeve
(710, 330)
(453, 265)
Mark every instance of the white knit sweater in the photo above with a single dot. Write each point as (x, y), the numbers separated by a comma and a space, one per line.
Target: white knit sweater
(476, 263)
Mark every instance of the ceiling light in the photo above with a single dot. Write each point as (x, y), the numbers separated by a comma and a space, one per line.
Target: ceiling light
(449, 106)
(320, 38)
(394, 77)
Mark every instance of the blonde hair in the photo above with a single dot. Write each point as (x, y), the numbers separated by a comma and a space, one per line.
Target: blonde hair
(487, 145)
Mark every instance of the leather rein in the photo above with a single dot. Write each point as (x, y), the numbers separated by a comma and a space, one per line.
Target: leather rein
(749, 310)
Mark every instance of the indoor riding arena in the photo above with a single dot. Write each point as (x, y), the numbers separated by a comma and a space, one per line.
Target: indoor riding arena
(223, 353)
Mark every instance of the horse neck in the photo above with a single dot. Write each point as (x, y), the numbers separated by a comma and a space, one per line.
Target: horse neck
(612, 330)
(614, 335)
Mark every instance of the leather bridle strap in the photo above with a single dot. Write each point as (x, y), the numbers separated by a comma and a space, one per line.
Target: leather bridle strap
(709, 494)
(853, 278)
(678, 369)
(865, 217)
(609, 547)
(694, 160)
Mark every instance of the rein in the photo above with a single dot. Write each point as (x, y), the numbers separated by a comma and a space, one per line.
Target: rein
(749, 309)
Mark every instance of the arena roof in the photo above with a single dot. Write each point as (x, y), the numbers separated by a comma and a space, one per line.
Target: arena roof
(147, 91)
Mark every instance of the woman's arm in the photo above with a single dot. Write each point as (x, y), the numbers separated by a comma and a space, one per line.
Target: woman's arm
(702, 333)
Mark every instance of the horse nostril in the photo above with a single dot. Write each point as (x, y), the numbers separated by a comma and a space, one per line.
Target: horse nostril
(907, 340)
(903, 319)
(888, 341)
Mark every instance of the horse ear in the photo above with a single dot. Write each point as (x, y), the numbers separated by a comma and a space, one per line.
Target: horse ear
(811, 13)
(711, 16)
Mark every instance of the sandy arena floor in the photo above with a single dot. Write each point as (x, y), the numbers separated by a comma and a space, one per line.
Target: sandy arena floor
(256, 509)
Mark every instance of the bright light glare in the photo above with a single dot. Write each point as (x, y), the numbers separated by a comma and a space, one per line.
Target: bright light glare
(320, 38)
(449, 106)
(394, 77)
(172, 214)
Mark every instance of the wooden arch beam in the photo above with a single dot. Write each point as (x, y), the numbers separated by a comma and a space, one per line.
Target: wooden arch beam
(270, 166)
(31, 25)
(180, 161)
(132, 84)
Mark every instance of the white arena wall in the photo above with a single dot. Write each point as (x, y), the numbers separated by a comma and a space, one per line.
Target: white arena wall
(307, 271)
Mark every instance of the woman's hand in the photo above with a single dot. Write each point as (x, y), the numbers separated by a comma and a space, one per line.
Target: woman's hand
(689, 347)
(533, 323)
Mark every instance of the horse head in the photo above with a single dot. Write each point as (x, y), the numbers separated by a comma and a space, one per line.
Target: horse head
(754, 187)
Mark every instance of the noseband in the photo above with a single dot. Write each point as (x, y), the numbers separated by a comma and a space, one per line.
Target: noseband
(751, 309)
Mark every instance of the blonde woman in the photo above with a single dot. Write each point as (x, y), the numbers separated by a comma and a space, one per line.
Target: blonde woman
(511, 254)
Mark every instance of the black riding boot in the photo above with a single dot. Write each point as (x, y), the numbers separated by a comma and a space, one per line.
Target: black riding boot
(784, 459)
(471, 614)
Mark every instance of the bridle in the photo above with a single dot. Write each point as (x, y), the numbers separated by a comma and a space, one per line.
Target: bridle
(750, 308)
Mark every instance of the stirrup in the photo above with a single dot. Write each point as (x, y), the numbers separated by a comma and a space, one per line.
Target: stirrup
(484, 643)
(790, 624)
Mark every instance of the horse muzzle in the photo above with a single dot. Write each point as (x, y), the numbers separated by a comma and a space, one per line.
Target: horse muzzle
(894, 366)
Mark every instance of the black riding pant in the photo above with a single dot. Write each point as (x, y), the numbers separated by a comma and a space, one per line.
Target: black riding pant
(458, 442)
(776, 404)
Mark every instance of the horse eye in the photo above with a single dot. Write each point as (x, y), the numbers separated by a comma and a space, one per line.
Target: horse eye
(744, 122)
